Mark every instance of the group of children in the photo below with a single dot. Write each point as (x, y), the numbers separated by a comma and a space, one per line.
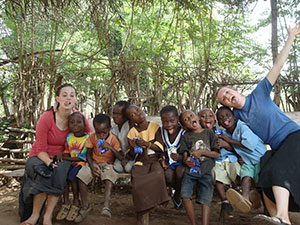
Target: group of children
(187, 150)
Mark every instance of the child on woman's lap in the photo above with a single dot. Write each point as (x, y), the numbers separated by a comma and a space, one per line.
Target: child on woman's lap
(199, 148)
(251, 149)
(75, 151)
(172, 132)
(227, 167)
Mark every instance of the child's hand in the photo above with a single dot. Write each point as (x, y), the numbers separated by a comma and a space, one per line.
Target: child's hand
(124, 162)
(59, 157)
(175, 156)
(222, 143)
(96, 172)
(224, 136)
(241, 161)
(197, 154)
(105, 145)
(189, 162)
(131, 142)
(140, 142)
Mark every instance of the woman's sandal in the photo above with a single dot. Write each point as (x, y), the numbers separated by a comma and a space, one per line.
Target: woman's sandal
(73, 213)
(82, 214)
(106, 212)
(63, 212)
(267, 220)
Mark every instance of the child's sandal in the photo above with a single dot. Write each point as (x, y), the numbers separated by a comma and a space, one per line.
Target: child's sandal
(73, 213)
(63, 212)
(106, 212)
(82, 214)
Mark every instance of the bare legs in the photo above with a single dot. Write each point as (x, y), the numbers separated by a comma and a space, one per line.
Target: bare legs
(280, 209)
(189, 208)
(38, 201)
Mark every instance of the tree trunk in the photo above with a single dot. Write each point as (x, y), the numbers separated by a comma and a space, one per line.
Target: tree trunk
(274, 15)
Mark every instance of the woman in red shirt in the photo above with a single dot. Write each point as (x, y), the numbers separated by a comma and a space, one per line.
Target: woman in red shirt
(51, 132)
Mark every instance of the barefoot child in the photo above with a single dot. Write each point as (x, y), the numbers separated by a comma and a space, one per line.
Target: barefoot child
(148, 180)
(172, 132)
(199, 148)
(120, 129)
(251, 149)
(102, 149)
(75, 151)
(227, 167)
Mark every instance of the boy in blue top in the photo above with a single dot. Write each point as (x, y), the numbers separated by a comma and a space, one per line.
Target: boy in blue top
(250, 148)
(199, 149)
(279, 176)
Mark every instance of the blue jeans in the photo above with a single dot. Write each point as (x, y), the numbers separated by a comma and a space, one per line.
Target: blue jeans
(204, 188)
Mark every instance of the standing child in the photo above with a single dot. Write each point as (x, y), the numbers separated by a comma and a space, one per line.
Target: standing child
(120, 129)
(75, 151)
(199, 148)
(251, 149)
(172, 132)
(227, 167)
(148, 180)
(102, 149)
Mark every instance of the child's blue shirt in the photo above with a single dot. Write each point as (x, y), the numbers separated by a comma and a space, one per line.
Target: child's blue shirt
(255, 148)
(225, 153)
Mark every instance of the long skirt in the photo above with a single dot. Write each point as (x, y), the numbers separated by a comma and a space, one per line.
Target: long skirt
(148, 185)
(33, 184)
(281, 167)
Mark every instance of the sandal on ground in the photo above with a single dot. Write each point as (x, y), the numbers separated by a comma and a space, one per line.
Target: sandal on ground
(177, 206)
(267, 220)
(73, 213)
(26, 223)
(82, 214)
(238, 201)
(255, 199)
(106, 212)
(63, 212)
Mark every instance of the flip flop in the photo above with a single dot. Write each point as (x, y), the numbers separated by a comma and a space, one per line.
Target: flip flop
(238, 201)
(26, 223)
(266, 220)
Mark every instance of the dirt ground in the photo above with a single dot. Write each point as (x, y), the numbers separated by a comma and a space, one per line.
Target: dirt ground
(122, 209)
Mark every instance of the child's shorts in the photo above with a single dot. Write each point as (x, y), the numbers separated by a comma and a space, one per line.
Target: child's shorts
(249, 170)
(106, 170)
(226, 172)
(73, 171)
(204, 188)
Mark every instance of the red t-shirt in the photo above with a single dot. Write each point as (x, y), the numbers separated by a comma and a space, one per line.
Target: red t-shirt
(49, 138)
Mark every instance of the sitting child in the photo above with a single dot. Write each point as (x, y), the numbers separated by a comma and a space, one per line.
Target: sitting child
(227, 167)
(251, 149)
(199, 148)
(120, 129)
(75, 151)
(102, 149)
(172, 132)
(148, 181)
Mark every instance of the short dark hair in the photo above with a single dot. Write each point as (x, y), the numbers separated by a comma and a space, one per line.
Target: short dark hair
(78, 114)
(169, 108)
(102, 118)
(223, 108)
(124, 105)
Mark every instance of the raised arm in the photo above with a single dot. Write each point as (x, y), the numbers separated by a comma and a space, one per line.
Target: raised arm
(281, 58)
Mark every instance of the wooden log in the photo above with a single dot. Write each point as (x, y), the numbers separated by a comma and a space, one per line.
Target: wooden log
(13, 173)
(12, 129)
(19, 141)
(18, 161)
(11, 167)
(16, 150)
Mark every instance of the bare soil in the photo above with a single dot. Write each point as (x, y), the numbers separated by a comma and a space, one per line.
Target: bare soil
(122, 209)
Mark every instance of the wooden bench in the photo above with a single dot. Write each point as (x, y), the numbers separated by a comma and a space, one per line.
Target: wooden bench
(7, 175)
